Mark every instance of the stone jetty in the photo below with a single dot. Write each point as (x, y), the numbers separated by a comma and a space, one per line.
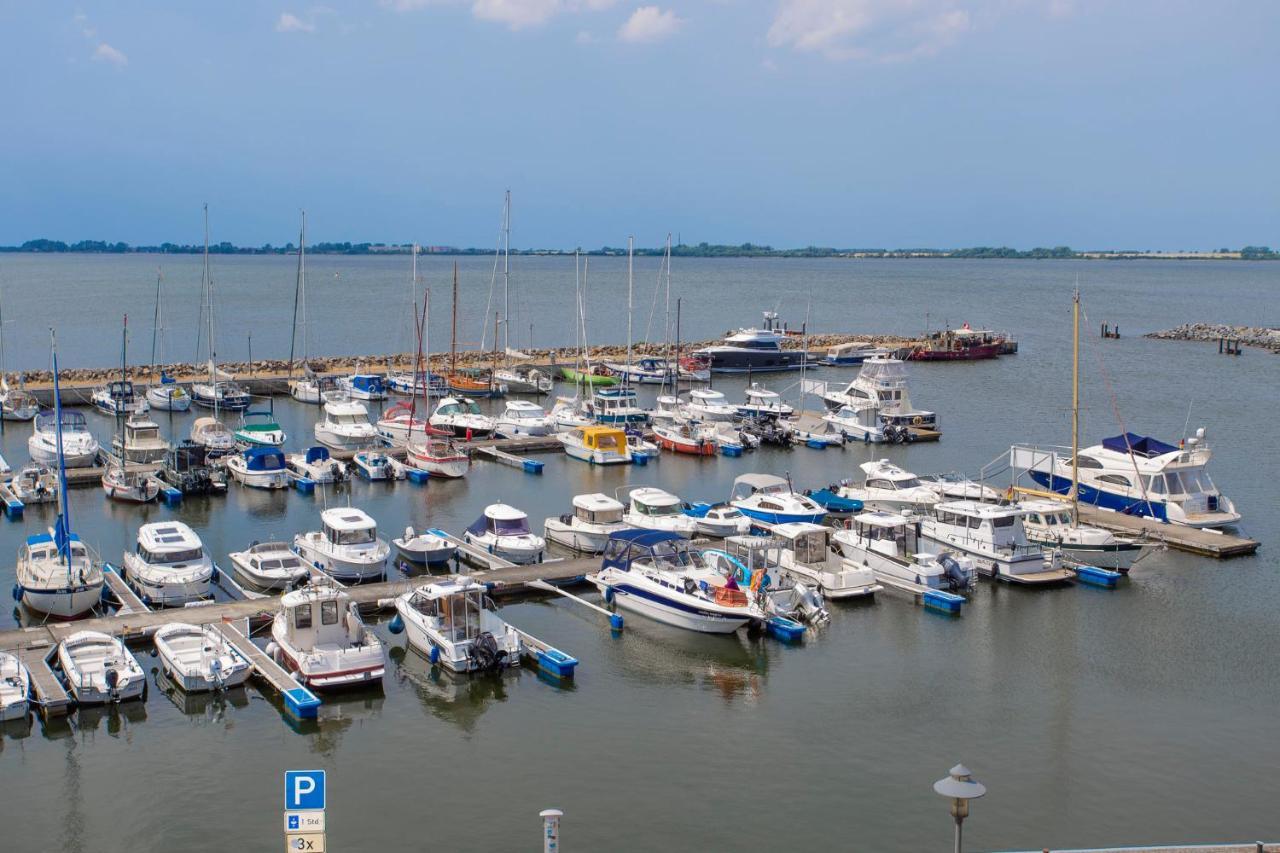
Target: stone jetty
(1252, 336)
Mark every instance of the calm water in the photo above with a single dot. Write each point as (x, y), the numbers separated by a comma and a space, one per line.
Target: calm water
(1141, 715)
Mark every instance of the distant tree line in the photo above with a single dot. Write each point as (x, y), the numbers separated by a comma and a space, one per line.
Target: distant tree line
(682, 250)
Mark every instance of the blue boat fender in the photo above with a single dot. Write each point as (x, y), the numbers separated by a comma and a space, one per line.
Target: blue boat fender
(397, 624)
(434, 655)
(17, 592)
(608, 595)
(615, 622)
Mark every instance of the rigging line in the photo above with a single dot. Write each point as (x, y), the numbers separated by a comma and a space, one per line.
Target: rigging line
(493, 280)
(653, 306)
(1124, 430)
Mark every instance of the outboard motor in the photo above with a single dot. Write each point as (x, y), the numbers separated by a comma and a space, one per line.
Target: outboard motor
(956, 576)
(113, 681)
(483, 652)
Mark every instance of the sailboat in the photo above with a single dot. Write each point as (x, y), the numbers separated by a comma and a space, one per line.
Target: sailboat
(648, 370)
(309, 388)
(220, 392)
(57, 573)
(414, 383)
(467, 383)
(431, 450)
(118, 481)
(518, 378)
(583, 372)
(167, 395)
(15, 403)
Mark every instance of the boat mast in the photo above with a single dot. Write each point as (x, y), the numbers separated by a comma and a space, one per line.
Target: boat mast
(630, 249)
(506, 276)
(63, 532)
(1075, 409)
(124, 377)
(299, 296)
(453, 341)
(155, 325)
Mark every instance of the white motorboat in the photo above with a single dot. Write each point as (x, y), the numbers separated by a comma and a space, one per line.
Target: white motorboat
(889, 544)
(651, 508)
(57, 574)
(768, 498)
(15, 403)
(753, 350)
(270, 565)
(423, 384)
(33, 484)
(523, 418)
(876, 406)
(79, 447)
(690, 437)
(198, 658)
(1051, 523)
(425, 548)
(141, 441)
(99, 669)
(503, 531)
(168, 566)
(953, 487)
(363, 386)
(994, 538)
(259, 429)
(667, 410)
(523, 379)
(347, 547)
(438, 456)
(587, 529)
(890, 488)
(376, 465)
(598, 445)
(15, 688)
(719, 520)
(569, 413)
(805, 552)
(319, 636)
(1136, 475)
(168, 396)
(706, 404)
(451, 621)
(213, 435)
(762, 404)
(399, 423)
(220, 394)
(259, 468)
(119, 398)
(462, 418)
(121, 484)
(852, 352)
(644, 371)
(311, 388)
(658, 575)
(789, 604)
(345, 425)
(316, 465)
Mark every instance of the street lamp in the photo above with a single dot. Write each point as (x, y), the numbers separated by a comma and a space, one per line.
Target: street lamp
(959, 788)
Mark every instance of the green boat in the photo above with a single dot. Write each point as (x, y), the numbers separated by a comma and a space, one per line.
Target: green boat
(584, 378)
(259, 429)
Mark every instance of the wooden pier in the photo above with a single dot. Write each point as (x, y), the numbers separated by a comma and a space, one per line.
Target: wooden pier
(47, 688)
(1206, 543)
(300, 701)
(128, 600)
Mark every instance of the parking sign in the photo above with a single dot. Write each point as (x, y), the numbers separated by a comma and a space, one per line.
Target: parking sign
(303, 790)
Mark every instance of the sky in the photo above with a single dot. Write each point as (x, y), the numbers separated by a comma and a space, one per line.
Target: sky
(1142, 124)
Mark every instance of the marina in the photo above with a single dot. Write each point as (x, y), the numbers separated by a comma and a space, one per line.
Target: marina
(560, 619)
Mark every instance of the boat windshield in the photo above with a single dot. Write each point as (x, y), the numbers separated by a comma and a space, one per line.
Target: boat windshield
(658, 509)
(811, 547)
(1188, 481)
(509, 526)
(189, 555)
(674, 554)
(348, 420)
(525, 414)
(600, 516)
(472, 407)
(359, 536)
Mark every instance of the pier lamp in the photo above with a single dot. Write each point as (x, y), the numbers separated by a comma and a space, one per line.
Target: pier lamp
(960, 787)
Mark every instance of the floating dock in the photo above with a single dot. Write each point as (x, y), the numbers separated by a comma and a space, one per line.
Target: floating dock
(49, 692)
(937, 600)
(1206, 543)
(300, 701)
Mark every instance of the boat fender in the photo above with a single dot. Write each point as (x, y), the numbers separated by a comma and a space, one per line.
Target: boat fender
(608, 595)
(17, 592)
(397, 624)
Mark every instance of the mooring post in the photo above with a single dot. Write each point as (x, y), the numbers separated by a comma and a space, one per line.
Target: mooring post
(551, 830)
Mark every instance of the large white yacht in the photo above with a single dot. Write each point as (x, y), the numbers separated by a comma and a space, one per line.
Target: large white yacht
(79, 447)
(875, 406)
(169, 565)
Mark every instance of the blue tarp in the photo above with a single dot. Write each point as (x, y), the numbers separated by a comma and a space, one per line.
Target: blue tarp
(1141, 445)
(263, 459)
(317, 454)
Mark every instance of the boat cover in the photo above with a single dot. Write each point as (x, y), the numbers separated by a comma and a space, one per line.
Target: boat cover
(1142, 445)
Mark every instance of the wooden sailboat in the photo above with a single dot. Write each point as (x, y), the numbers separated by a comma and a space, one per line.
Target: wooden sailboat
(466, 383)
(164, 393)
(118, 481)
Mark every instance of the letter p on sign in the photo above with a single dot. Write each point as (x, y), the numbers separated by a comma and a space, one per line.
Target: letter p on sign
(303, 790)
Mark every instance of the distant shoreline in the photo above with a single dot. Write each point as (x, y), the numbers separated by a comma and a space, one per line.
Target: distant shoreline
(701, 250)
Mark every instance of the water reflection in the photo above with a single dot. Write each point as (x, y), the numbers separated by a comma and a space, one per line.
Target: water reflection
(204, 707)
(457, 699)
(734, 666)
(116, 719)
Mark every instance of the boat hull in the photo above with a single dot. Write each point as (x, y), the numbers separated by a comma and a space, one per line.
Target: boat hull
(341, 568)
(1145, 508)
(670, 612)
(67, 603)
(168, 398)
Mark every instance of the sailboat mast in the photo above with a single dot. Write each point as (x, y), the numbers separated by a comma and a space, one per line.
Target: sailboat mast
(1075, 408)
(630, 251)
(63, 538)
(297, 291)
(506, 277)
(453, 342)
(155, 325)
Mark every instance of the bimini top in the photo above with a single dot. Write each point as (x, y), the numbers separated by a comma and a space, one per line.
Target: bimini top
(761, 482)
(347, 518)
(503, 512)
(263, 459)
(317, 454)
(646, 538)
(165, 536)
(1142, 445)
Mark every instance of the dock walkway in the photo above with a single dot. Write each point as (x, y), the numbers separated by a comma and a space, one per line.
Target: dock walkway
(1206, 543)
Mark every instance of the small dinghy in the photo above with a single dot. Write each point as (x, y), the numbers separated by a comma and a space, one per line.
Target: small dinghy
(318, 635)
(429, 548)
(33, 484)
(719, 520)
(452, 622)
(316, 465)
(503, 531)
(15, 688)
(376, 465)
(270, 565)
(199, 659)
(99, 669)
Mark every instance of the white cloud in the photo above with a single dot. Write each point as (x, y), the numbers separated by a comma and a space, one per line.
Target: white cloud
(649, 23)
(879, 30)
(516, 14)
(81, 20)
(107, 53)
(291, 23)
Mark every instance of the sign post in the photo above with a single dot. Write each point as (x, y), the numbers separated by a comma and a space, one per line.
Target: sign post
(304, 804)
(551, 830)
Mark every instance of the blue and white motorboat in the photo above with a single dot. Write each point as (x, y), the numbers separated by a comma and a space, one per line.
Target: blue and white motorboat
(421, 384)
(364, 386)
(1136, 475)
(617, 406)
(503, 531)
(220, 394)
(769, 498)
(259, 468)
(644, 371)
(852, 352)
(658, 574)
(120, 399)
(316, 465)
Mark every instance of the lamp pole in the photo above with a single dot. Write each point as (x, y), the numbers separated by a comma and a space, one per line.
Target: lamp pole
(959, 787)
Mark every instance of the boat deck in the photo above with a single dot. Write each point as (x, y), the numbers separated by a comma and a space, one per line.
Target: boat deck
(1206, 543)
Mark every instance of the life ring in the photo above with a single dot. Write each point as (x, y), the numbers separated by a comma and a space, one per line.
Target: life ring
(917, 420)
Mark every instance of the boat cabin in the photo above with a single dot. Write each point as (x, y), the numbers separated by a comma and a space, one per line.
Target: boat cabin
(41, 547)
(652, 501)
(597, 509)
(458, 406)
(264, 459)
(346, 413)
(368, 383)
(501, 520)
(169, 543)
(810, 543)
(455, 606)
(321, 616)
(661, 548)
(983, 524)
(887, 533)
(348, 526)
(602, 438)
